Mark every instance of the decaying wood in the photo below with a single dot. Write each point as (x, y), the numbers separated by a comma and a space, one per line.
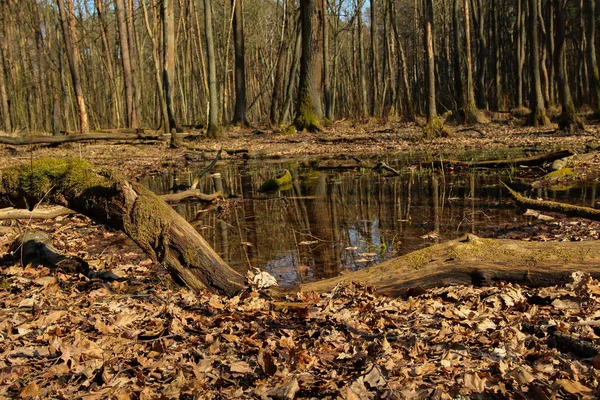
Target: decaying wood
(563, 341)
(35, 248)
(205, 170)
(191, 193)
(23, 140)
(528, 161)
(383, 166)
(56, 211)
(38, 213)
(569, 210)
(110, 199)
(475, 261)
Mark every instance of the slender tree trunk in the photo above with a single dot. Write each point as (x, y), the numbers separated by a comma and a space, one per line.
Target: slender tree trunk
(568, 120)
(109, 63)
(430, 61)
(590, 13)
(4, 96)
(132, 117)
(214, 130)
(168, 20)
(459, 93)
(239, 114)
(277, 93)
(67, 17)
(326, 72)
(482, 53)
(520, 50)
(409, 113)
(373, 56)
(497, 57)
(287, 103)
(536, 97)
(41, 67)
(309, 112)
(471, 112)
(362, 68)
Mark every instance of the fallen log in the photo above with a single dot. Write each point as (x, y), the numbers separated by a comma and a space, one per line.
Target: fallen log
(475, 261)
(538, 159)
(22, 140)
(57, 211)
(569, 210)
(108, 198)
(38, 213)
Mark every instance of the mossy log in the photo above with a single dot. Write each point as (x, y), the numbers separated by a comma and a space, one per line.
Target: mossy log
(569, 210)
(108, 198)
(475, 261)
(537, 159)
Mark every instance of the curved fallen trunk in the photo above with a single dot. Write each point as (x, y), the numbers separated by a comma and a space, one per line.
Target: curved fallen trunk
(108, 198)
(475, 261)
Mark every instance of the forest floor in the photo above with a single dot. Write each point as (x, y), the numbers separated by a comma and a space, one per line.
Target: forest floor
(67, 336)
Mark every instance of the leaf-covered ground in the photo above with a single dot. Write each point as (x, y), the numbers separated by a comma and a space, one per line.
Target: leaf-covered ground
(65, 336)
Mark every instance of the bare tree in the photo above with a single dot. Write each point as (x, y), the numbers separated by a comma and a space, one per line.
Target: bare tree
(67, 17)
(239, 114)
(309, 112)
(590, 13)
(132, 116)
(536, 98)
(214, 130)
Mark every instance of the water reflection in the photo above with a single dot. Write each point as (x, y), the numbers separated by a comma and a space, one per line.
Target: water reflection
(331, 222)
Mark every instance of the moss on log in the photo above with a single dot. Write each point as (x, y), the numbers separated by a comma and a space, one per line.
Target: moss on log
(108, 198)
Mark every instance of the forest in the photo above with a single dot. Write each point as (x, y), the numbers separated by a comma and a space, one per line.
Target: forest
(76, 66)
(299, 199)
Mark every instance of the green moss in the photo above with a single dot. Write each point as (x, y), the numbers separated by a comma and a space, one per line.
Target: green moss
(306, 118)
(38, 180)
(214, 131)
(273, 185)
(289, 130)
(435, 128)
(561, 173)
(149, 224)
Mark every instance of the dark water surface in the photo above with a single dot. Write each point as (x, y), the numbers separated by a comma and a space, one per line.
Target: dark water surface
(332, 221)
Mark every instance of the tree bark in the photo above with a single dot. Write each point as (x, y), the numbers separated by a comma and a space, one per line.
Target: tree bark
(568, 120)
(168, 20)
(308, 111)
(590, 13)
(520, 50)
(110, 199)
(67, 17)
(239, 114)
(326, 69)
(132, 116)
(214, 130)
(538, 115)
(430, 61)
(4, 96)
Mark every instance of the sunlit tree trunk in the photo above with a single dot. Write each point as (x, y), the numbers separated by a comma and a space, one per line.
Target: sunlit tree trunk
(362, 68)
(326, 71)
(520, 50)
(214, 130)
(41, 64)
(132, 117)
(168, 20)
(239, 114)
(430, 61)
(67, 17)
(459, 94)
(4, 96)
(309, 111)
(108, 62)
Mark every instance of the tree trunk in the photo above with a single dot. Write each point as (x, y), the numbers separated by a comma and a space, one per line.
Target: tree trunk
(362, 68)
(591, 54)
(409, 113)
(41, 67)
(326, 72)
(373, 58)
(308, 111)
(168, 81)
(520, 50)
(287, 102)
(214, 130)
(132, 117)
(471, 112)
(430, 61)
(568, 121)
(239, 114)
(67, 17)
(154, 226)
(4, 96)
(459, 93)
(278, 88)
(536, 97)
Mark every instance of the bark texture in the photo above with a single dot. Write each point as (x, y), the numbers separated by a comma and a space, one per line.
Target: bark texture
(309, 111)
(110, 199)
